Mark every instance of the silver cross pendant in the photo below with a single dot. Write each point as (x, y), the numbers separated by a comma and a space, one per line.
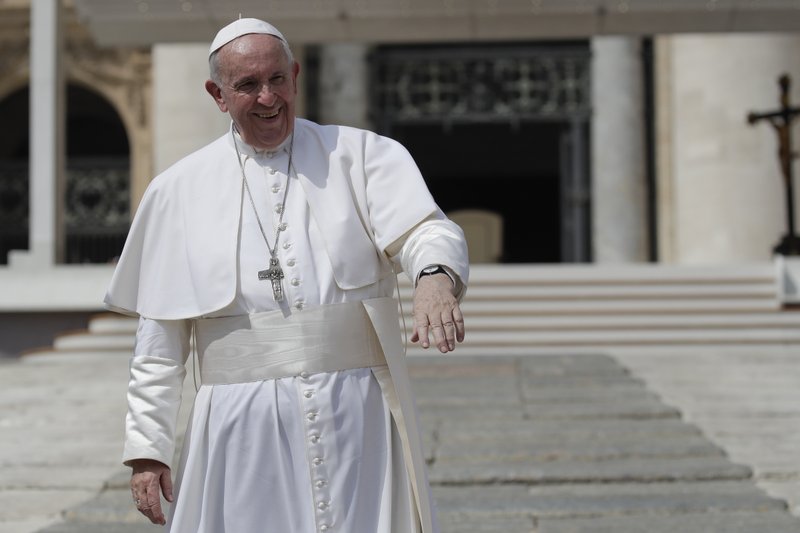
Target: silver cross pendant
(275, 274)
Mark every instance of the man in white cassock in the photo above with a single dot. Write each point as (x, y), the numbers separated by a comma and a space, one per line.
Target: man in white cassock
(274, 249)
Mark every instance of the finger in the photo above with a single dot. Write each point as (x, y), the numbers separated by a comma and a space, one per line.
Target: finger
(422, 333)
(449, 332)
(166, 486)
(439, 337)
(152, 504)
(458, 318)
(421, 329)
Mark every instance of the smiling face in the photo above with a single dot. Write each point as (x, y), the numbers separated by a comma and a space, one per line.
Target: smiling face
(257, 84)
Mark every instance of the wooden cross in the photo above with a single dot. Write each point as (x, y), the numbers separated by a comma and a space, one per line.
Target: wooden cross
(781, 120)
(275, 274)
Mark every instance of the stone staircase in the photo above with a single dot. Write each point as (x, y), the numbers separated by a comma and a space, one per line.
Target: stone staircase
(529, 309)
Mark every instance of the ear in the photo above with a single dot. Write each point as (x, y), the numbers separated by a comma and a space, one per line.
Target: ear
(295, 72)
(216, 93)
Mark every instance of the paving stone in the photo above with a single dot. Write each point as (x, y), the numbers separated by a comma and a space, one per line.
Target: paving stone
(488, 428)
(111, 527)
(469, 523)
(576, 500)
(764, 522)
(110, 506)
(582, 364)
(578, 380)
(623, 470)
(596, 410)
(578, 449)
(434, 413)
(19, 504)
(54, 477)
(590, 393)
(466, 391)
(30, 524)
(635, 410)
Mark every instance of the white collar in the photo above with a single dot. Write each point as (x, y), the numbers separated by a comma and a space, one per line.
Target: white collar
(248, 151)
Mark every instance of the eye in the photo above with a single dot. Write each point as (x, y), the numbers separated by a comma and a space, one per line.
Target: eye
(278, 79)
(245, 86)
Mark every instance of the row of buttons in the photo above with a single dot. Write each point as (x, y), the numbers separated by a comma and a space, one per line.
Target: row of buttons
(295, 282)
(315, 452)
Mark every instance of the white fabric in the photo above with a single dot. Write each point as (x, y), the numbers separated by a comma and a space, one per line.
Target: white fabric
(363, 192)
(260, 346)
(257, 438)
(241, 27)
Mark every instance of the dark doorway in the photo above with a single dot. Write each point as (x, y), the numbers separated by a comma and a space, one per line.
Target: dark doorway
(504, 168)
(98, 177)
(14, 142)
(499, 131)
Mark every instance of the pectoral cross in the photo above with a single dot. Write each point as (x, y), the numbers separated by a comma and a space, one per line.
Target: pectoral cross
(275, 274)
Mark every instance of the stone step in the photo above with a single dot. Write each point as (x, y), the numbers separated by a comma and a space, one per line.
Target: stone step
(632, 321)
(620, 292)
(588, 307)
(111, 325)
(627, 274)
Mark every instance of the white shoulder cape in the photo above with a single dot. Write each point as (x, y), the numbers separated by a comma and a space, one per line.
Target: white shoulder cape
(180, 258)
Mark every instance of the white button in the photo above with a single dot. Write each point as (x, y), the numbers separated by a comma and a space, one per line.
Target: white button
(314, 439)
(324, 527)
(287, 245)
(304, 374)
(282, 226)
(272, 171)
(278, 208)
(309, 393)
(295, 282)
(323, 505)
(317, 461)
(299, 306)
(321, 483)
(276, 189)
(290, 262)
(312, 415)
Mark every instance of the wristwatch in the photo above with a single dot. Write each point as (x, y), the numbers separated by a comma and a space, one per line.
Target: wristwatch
(433, 269)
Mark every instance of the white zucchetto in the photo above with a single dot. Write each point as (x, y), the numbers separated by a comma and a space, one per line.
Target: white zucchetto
(240, 27)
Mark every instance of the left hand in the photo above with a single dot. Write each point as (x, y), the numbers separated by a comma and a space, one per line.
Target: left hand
(436, 311)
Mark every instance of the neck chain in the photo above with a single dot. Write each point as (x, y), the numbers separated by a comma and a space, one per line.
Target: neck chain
(274, 273)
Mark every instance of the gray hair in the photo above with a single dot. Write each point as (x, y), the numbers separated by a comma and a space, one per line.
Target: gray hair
(213, 60)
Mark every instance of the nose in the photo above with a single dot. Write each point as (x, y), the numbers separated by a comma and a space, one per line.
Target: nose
(266, 96)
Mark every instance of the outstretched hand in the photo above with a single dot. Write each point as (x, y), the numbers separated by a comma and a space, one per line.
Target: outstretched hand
(148, 480)
(436, 311)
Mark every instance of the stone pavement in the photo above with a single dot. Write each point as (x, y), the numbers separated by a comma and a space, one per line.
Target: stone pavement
(623, 443)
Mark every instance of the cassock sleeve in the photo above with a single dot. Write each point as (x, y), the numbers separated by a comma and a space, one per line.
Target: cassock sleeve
(157, 370)
(435, 241)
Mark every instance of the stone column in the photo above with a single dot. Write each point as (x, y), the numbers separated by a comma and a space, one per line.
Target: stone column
(47, 154)
(185, 117)
(619, 209)
(343, 85)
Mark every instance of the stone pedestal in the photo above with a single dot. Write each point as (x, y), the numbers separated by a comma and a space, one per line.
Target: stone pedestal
(619, 216)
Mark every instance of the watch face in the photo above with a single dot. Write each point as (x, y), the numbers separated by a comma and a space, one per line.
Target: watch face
(431, 270)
